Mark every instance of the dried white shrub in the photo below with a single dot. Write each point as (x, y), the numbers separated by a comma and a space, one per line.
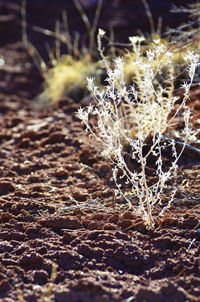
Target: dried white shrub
(126, 118)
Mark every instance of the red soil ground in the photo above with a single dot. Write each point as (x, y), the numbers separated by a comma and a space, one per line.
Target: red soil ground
(63, 237)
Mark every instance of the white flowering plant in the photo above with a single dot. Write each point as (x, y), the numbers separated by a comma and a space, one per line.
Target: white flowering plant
(134, 120)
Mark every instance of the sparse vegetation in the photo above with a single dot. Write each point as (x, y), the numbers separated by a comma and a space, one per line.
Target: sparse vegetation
(111, 214)
(66, 75)
(134, 120)
(68, 78)
(134, 108)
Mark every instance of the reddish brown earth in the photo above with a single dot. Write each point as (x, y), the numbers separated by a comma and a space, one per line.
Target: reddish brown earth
(63, 237)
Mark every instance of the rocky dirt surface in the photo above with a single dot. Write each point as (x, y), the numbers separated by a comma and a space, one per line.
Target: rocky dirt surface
(63, 236)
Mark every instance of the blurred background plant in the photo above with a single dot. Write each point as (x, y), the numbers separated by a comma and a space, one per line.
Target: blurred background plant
(187, 34)
(65, 75)
(178, 41)
(185, 37)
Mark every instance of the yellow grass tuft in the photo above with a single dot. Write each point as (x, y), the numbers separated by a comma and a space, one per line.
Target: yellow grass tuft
(69, 78)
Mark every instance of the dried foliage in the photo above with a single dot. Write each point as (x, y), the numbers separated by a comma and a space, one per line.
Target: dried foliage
(135, 119)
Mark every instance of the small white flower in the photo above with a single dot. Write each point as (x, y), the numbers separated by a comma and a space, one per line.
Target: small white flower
(101, 32)
(135, 39)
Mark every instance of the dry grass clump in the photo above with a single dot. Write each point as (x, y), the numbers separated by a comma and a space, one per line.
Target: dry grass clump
(65, 75)
(135, 119)
(68, 73)
(177, 41)
(69, 78)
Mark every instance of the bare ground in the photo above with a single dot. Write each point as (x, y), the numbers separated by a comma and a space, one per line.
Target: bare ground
(63, 236)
